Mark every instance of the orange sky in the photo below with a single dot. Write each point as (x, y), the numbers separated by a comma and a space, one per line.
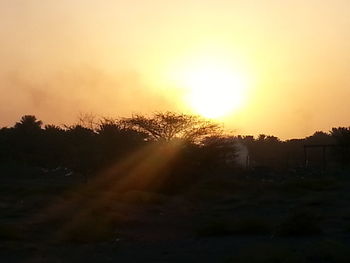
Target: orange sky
(111, 57)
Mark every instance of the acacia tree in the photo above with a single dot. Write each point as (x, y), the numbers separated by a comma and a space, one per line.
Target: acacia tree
(167, 126)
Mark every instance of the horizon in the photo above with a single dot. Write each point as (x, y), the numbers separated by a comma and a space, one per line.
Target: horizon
(85, 120)
(279, 69)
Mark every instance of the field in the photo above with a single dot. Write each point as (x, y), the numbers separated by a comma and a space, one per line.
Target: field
(238, 217)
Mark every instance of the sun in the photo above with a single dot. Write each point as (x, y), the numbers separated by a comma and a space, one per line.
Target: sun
(214, 90)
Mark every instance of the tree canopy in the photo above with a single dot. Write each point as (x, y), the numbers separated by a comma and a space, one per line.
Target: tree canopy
(170, 125)
(28, 123)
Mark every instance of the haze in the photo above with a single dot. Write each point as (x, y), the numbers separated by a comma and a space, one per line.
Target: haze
(113, 58)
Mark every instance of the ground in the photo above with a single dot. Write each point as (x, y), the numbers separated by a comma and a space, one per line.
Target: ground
(236, 217)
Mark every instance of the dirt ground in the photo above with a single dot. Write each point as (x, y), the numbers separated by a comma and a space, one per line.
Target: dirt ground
(57, 218)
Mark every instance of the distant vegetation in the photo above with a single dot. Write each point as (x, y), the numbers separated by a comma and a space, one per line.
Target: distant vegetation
(94, 144)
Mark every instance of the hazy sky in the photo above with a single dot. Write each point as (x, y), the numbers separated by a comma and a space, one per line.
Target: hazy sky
(112, 57)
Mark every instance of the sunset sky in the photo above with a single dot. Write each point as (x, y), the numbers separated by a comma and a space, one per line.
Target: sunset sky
(287, 61)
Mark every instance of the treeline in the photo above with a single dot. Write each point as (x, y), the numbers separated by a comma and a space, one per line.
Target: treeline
(94, 144)
(319, 151)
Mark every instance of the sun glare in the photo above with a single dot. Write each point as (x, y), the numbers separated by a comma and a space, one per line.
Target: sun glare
(214, 91)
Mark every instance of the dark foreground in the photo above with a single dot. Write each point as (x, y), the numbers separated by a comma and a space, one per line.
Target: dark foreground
(50, 217)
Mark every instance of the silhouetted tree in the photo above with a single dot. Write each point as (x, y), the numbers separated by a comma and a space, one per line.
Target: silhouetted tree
(87, 120)
(169, 125)
(81, 150)
(341, 136)
(25, 139)
(6, 147)
(199, 144)
(116, 140)
(28, 124)
(54, 146)
(218, 151)
(319, 137)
